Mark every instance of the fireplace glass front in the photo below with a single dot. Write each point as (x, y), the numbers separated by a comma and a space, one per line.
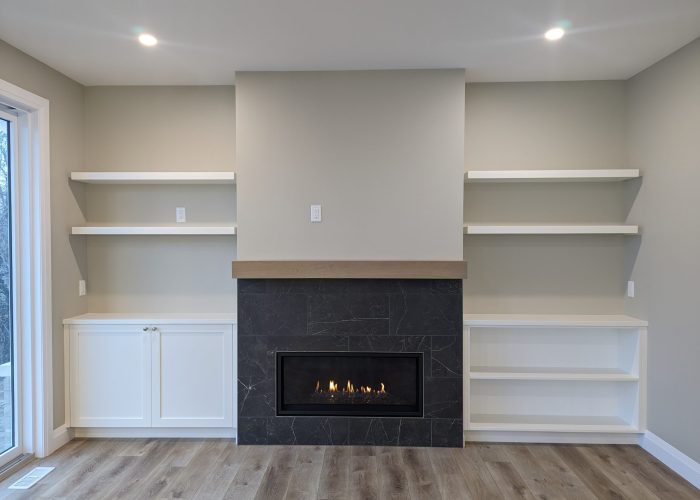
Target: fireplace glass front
(351, 384)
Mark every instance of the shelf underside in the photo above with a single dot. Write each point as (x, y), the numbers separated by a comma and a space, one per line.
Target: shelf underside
(190, 229)
(549, 423)
(592, 175)
(154, 177)
(550, 229)
(551, 373)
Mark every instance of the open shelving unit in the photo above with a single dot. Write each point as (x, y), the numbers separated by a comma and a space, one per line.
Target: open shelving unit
(594, 175)
(625, 229)
(516, 176)
(154, 177)
(554, 373)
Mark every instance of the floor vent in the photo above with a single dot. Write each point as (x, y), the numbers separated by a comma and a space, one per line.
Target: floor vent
(30, 479)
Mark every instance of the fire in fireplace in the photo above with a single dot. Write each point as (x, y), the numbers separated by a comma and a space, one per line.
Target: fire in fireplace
(341, 383)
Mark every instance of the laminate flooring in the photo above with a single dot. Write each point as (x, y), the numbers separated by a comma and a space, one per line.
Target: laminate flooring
(217, 468)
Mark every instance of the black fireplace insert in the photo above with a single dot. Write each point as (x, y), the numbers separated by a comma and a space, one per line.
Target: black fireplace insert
(350, 384)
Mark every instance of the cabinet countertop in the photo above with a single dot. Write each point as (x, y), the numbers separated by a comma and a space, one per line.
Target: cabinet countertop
(156, 318)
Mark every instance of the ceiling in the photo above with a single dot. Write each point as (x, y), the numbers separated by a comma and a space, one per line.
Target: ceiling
(204, 42)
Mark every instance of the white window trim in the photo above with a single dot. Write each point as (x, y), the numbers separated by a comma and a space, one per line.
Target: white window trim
(34, 268)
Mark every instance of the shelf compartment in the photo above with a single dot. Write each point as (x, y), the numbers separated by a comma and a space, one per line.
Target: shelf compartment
(564, 353)
(593, 175)
(559, 406)
(550, 423)
(189, 229)
(523, 229)
(115, 177)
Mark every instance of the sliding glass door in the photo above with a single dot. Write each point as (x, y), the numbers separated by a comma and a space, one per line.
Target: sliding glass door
(9, 448)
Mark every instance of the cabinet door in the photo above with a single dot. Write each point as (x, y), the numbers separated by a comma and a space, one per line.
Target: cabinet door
(110, 376)
(192, 367)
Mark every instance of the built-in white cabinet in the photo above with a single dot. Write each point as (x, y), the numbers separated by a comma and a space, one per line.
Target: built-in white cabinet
(110, 376)
(192, 376)
(150, 372)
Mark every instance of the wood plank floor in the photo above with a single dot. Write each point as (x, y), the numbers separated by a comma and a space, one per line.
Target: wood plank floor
(216, 468)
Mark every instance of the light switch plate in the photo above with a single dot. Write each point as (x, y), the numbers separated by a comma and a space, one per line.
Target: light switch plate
(315, 213)
(81, 288)
(630, 289)
(180, 214)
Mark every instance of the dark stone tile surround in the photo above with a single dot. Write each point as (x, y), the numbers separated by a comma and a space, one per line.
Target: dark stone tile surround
(352, 315)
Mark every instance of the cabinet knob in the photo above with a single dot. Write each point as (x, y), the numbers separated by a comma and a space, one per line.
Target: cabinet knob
(145, 328)
(153, 329)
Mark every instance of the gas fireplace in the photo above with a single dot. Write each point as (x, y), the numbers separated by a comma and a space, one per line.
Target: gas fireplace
(350, 384)
(350, 362)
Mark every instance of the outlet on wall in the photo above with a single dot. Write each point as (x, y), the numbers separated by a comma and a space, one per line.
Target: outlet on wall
(81, 288)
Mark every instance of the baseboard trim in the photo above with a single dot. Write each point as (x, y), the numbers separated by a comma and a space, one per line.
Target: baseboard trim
(60, 436)
(673, 458)
(155, 432)
(552, 437)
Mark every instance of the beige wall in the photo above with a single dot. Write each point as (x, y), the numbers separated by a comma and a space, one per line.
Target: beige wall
(68, 254)
(664, 133)
(160, 128)
(382, 151)
(570, 125)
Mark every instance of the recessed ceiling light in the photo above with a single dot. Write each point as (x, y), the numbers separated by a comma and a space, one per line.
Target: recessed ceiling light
(554, 34)
(147, 39)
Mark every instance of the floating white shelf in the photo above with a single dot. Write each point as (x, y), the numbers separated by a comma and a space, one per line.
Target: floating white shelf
(547, 373)
(598, 175)
(181, 229)
(154, 177)
(550, 229)
(160, 318)
(550, 423)
(554, 320)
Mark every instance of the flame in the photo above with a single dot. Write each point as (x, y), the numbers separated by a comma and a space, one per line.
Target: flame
(350, 388)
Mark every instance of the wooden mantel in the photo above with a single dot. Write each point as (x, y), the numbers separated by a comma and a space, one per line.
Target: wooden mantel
(366, 269)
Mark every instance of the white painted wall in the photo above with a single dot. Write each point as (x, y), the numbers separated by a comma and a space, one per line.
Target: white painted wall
(563, 125)
(382, 151)
(160, 128)
(664, 129)
(68, 254)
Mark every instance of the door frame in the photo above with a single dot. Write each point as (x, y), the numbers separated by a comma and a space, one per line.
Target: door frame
(33, 270)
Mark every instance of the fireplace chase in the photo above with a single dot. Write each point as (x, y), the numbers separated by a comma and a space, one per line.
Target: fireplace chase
(407, 332)
(350, 384)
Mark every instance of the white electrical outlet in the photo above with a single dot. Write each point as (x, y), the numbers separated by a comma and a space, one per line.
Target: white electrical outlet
(180, 214)
(630, 289)
(81, 288)
(315, 213)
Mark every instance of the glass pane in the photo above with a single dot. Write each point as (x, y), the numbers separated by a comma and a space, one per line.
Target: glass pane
(335, 383)
(7, 438)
